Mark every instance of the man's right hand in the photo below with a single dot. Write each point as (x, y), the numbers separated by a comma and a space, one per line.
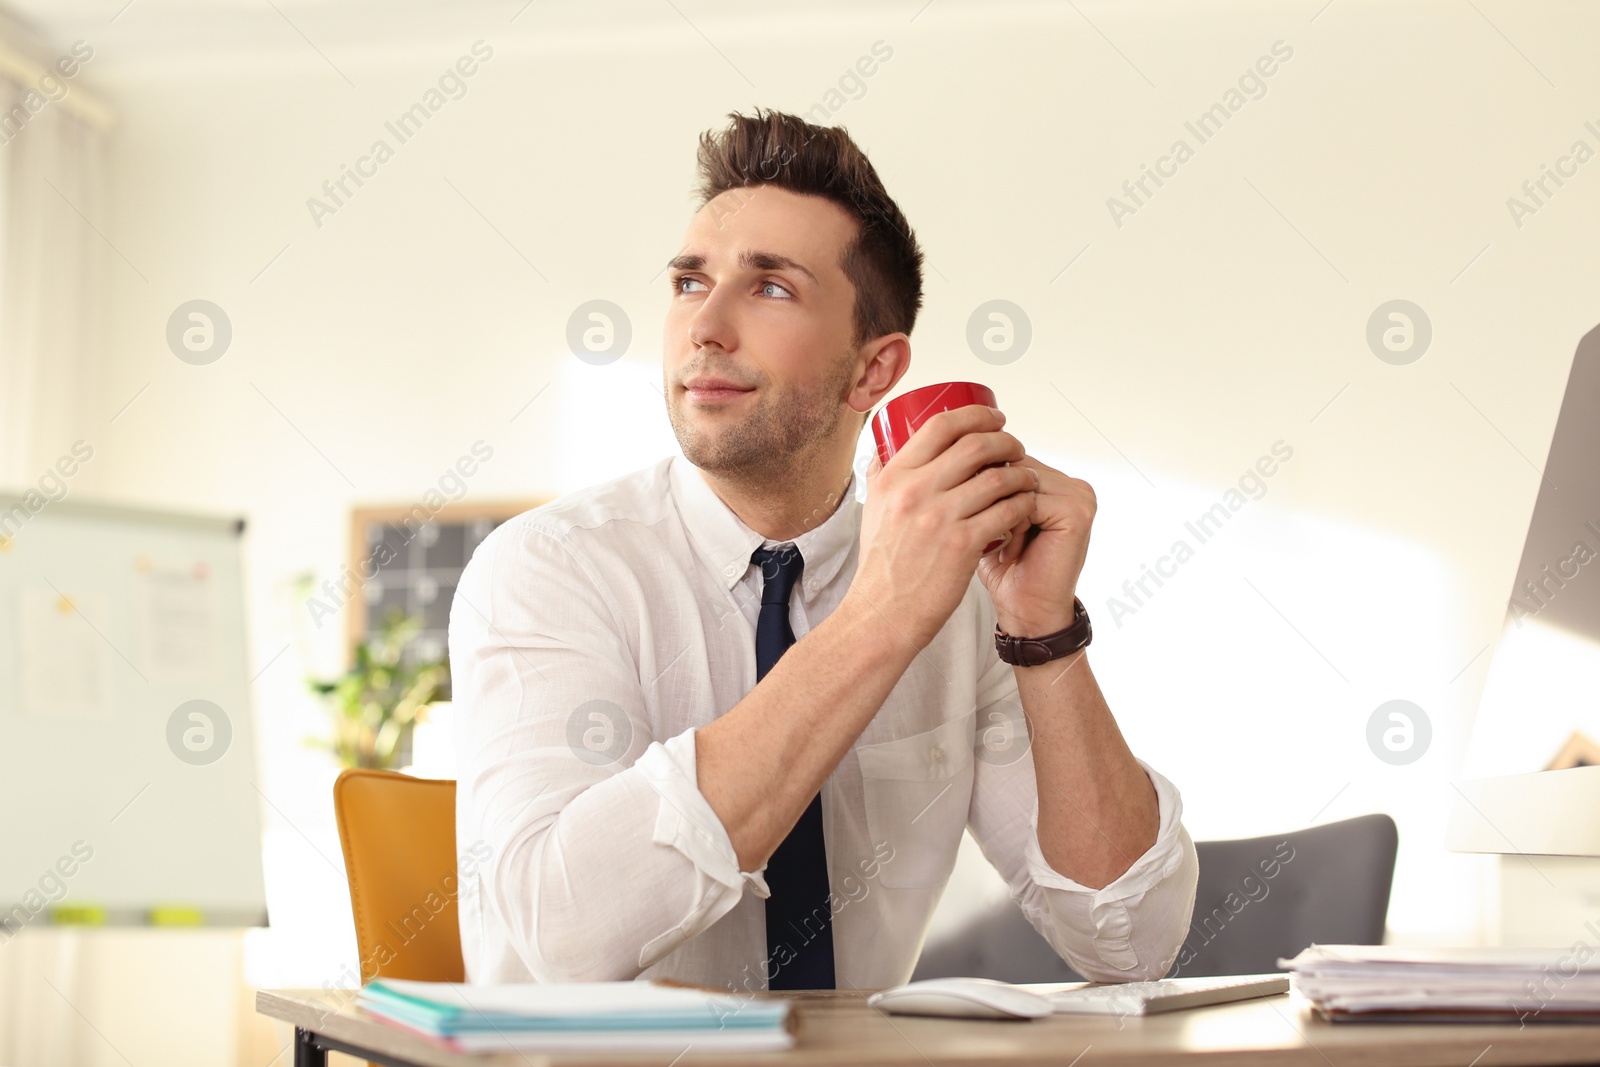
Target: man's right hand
(930, 512)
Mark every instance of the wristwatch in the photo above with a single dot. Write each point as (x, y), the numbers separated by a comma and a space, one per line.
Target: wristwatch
(1032, 651)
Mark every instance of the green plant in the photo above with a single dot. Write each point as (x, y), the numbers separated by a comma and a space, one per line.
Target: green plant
(376, 702)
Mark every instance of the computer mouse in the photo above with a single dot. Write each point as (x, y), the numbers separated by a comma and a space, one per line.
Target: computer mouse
(962, 998)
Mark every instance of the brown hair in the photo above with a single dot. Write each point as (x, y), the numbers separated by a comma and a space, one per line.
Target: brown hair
(773, 148)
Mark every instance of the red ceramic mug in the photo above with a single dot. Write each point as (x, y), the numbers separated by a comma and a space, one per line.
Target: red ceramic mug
(897, 420)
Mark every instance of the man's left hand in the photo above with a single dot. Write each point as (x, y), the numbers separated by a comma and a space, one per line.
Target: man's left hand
(1032, 580)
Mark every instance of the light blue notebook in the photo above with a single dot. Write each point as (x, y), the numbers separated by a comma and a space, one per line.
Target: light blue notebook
(448, 1008)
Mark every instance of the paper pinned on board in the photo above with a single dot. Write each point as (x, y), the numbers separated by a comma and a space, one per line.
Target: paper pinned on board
(177, 618)
(66, 661)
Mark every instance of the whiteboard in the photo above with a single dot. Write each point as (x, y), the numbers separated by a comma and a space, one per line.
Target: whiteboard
(127, 751)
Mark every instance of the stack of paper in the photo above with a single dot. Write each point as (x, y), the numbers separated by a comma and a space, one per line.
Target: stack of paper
(617, 1016)
(1385, 983)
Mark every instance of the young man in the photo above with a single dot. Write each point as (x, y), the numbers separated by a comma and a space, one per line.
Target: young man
(659, 792)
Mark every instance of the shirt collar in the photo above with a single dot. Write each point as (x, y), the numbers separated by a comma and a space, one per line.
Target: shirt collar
(726, 543)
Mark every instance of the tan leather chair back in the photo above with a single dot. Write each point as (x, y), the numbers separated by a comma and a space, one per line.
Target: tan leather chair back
(399, 840)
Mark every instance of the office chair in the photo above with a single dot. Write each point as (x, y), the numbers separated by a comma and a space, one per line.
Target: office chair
(399, 839)
(1334, 890)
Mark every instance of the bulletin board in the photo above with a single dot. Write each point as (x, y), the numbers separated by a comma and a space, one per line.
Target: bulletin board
(416, 558)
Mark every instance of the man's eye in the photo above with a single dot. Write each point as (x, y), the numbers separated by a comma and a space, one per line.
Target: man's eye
(774, 285)
(679, 283)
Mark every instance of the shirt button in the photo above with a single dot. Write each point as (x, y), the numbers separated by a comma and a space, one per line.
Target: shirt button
(730, 570)
(937, 754)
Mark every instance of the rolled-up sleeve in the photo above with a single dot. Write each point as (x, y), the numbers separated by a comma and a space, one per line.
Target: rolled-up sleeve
(605, 856)
(1129, 930)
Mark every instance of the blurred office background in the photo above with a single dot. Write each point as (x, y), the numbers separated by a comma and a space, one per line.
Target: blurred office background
(1176, 332)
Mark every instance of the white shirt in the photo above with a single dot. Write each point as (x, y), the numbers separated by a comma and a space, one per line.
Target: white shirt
(590, 637)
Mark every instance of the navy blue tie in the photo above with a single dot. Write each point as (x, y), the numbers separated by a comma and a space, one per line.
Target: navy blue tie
(799, 921)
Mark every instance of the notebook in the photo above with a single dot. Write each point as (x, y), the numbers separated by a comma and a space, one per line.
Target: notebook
(568, 1017)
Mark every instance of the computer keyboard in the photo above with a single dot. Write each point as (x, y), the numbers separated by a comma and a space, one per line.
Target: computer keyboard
(1168, 994)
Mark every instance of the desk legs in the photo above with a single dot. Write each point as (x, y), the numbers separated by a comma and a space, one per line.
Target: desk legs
(306, 1051)
(311, 1050)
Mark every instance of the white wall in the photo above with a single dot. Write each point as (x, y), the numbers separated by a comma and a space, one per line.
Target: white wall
(1227, 314)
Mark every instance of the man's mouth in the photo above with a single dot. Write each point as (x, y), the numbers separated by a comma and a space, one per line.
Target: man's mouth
(714, 390)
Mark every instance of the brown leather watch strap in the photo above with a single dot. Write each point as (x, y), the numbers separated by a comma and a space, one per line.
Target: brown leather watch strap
(1032, 651)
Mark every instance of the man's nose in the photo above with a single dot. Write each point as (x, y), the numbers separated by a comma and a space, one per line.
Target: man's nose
(712, 323)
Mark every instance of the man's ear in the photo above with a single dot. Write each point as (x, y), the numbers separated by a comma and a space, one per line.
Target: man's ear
(881, 363)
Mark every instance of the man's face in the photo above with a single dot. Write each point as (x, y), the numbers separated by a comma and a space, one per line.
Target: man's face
(758, 349)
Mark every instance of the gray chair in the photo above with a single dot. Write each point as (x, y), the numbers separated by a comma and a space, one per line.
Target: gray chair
(1257, 899)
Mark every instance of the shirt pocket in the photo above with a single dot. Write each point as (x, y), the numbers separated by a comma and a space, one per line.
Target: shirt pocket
(917, 791)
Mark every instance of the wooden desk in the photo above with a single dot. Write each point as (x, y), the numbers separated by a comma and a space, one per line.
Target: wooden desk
(839, 1028)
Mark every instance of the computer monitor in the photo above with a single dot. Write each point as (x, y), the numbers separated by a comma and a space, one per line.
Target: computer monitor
(1544, 681)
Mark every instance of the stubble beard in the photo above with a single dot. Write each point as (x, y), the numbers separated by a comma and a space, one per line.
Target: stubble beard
(777, 438)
